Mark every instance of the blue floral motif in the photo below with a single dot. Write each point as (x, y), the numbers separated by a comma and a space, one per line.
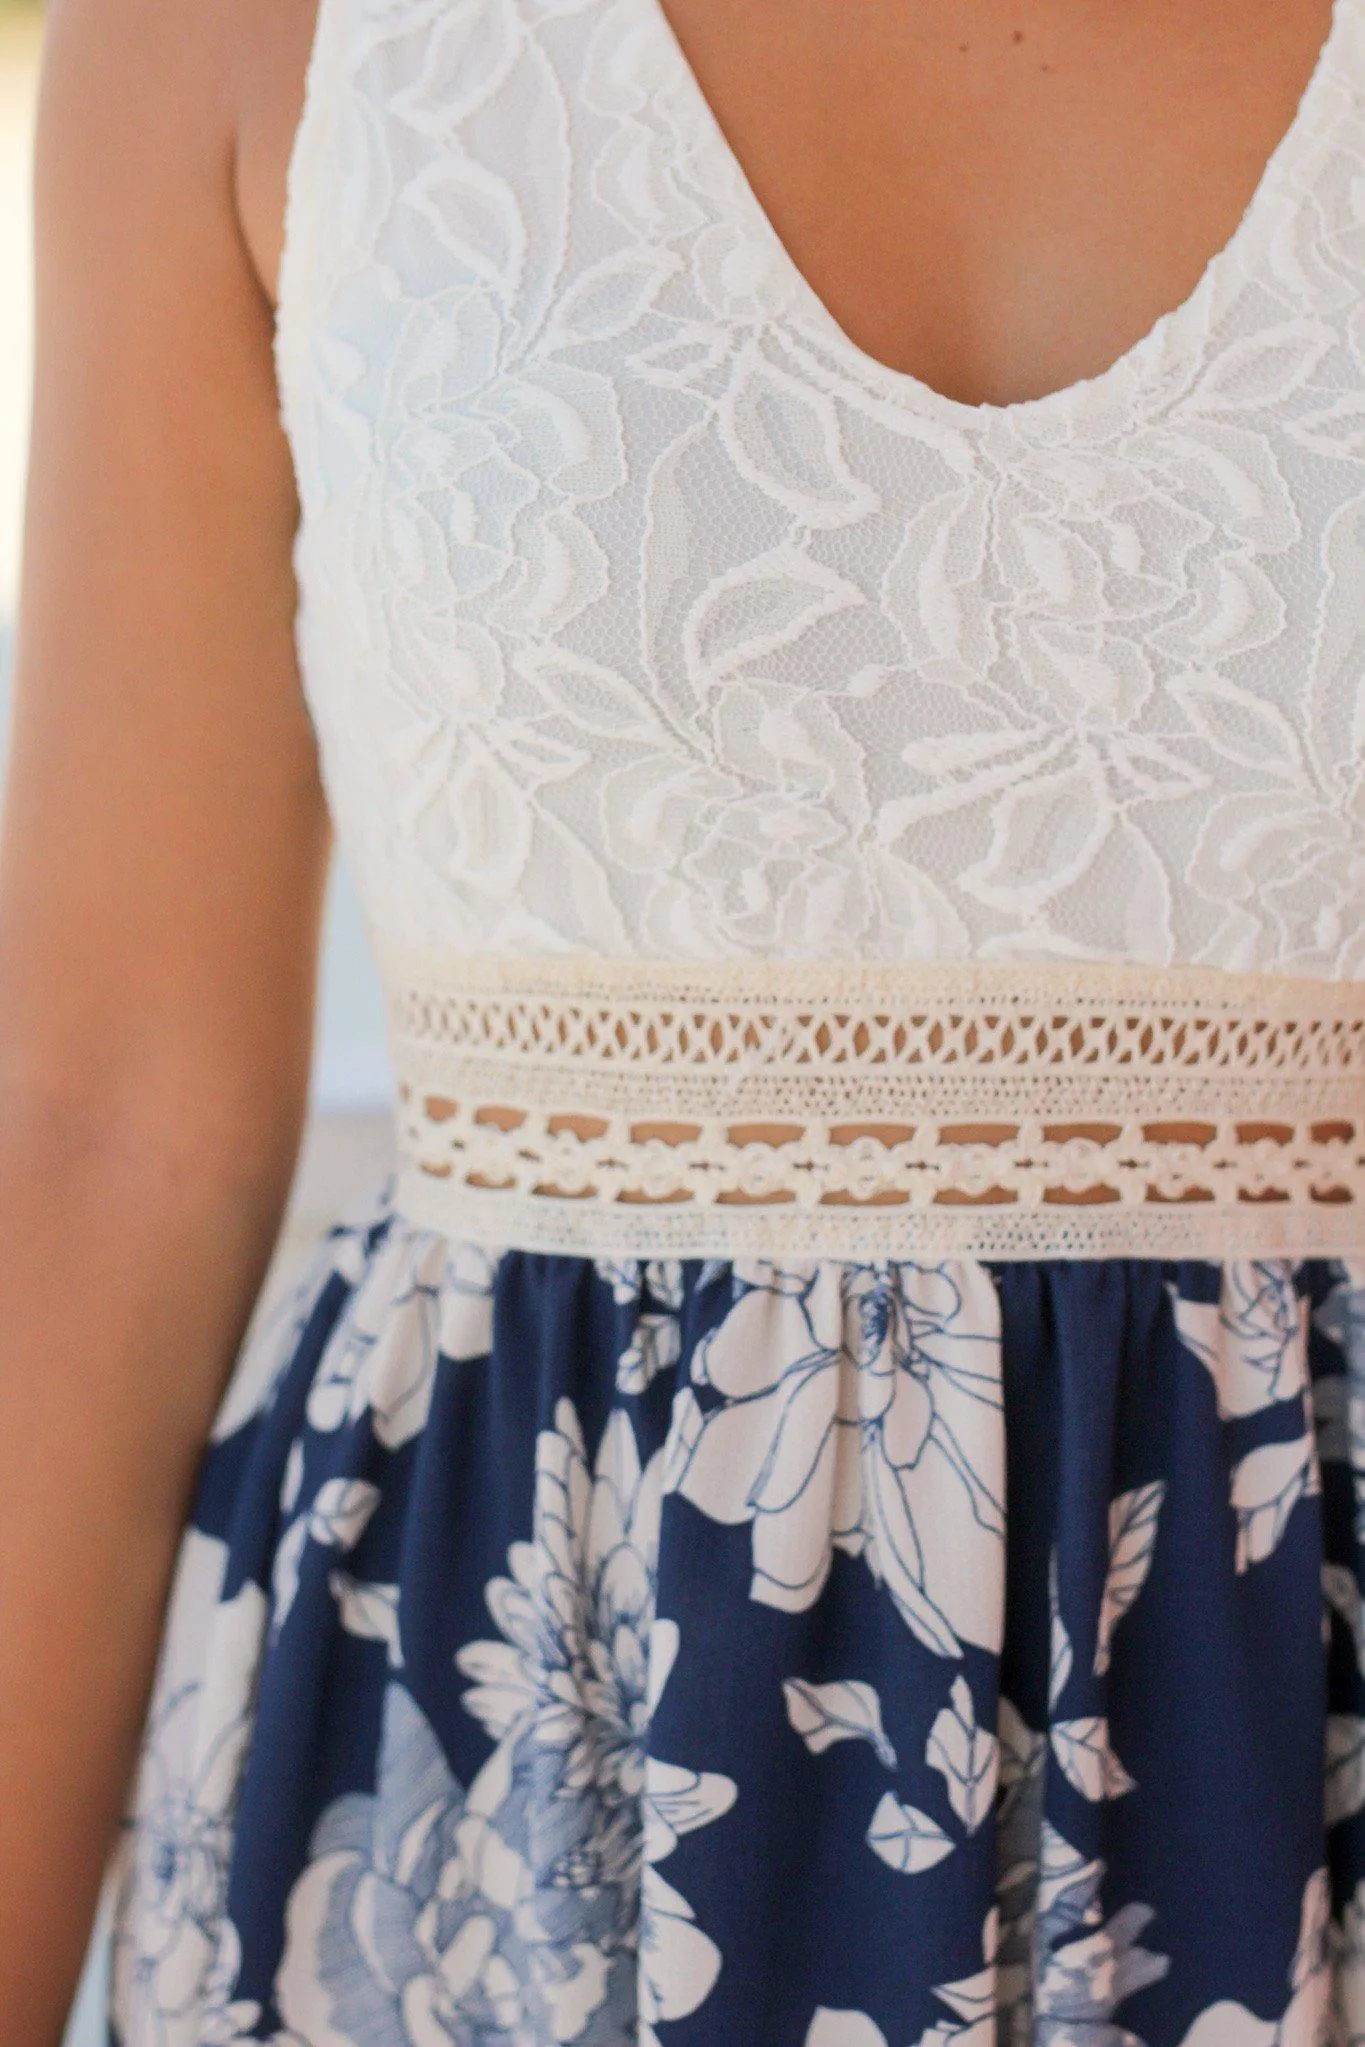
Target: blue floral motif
(416, 1919)
(653, 1288)
(533, 1904)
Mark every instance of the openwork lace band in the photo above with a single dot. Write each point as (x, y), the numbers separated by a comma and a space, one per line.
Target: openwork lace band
(621, 1107)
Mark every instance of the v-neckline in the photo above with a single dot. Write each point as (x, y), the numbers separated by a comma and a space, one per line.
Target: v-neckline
(1152, 347)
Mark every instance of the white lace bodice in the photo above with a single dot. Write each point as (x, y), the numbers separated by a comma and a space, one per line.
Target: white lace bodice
(644, 614)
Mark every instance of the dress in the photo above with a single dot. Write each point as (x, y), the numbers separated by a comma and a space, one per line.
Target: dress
(751, 1588)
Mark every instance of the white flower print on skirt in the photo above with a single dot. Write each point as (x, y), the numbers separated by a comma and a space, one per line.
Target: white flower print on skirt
(708, 1654)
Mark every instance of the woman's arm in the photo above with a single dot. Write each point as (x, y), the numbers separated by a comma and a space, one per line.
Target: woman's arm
(161, 870)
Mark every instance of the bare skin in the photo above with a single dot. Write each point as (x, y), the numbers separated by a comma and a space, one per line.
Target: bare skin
(1001, 196)
(162, 864)
(998, 196)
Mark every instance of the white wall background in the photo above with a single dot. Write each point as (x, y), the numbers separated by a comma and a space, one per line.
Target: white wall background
(351, 1067)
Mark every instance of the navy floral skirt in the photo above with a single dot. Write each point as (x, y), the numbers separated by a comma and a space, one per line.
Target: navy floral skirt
(759, 1655)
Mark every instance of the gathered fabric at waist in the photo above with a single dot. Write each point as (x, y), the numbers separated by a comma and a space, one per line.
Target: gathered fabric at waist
(736, 1108)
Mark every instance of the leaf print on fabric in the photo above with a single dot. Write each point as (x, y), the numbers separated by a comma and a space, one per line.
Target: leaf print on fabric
(859, 1409)
(591, 698)
(1264, 368)
(1087, 1761)
(679, 1963)
(1060, 1654)
(784, 436)
(1306, 2016)
(336, 1520)
(1243, 726)
(751, 612)
(1307, 2020)
(1345, 1767)
(610, 298)
(625, 1277)
(1232, 2025)
(284, 1572)
(677, 1800)
(278, 1323)
(370, 1611)
(847, 1710)
(655, 1347)
(905, 1838)
(843, 2029)
(292, 1480)
(1267, 1485)
(972, 1999)
(654, 1288)
(1252, 1341)
(341, 1511)
(966, 1756)
(1132, 1537)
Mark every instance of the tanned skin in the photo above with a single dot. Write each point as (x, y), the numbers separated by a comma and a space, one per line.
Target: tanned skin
(997, 196)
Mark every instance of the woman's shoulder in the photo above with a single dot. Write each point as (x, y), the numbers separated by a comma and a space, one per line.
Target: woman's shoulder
(170, 122)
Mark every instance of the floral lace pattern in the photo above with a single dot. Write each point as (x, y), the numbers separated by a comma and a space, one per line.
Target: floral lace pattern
(643, 613)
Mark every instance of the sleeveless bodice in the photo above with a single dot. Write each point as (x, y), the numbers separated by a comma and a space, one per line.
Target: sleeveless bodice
(719, 722)
(644, 613)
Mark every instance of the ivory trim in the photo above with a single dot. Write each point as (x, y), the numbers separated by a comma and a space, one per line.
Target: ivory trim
(492, 1053)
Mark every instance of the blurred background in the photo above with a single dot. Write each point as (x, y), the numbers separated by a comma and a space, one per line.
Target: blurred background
(347, 1148)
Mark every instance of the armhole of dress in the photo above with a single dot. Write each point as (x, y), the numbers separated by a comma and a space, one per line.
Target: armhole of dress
(297, 287)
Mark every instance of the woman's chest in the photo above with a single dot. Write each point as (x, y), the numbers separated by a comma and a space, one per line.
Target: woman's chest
(998, 198)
